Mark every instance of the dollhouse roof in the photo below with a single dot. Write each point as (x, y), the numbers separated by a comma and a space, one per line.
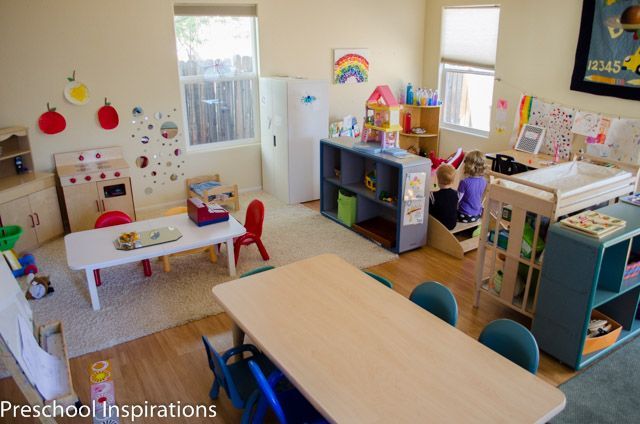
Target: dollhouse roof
(384, 92)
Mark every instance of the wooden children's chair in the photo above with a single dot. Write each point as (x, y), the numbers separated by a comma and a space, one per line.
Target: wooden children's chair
(253, 224)
(208, 188)
(109, 219)
(166, 266)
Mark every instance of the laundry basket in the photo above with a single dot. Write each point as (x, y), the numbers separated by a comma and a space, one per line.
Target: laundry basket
(9, 235)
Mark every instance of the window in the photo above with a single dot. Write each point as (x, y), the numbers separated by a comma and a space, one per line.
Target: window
(217, 61)
(468, 54)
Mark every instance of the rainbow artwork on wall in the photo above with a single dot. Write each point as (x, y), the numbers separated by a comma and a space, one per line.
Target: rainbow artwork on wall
(350, 66)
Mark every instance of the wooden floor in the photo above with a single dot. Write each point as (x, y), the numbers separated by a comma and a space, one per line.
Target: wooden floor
(171, 365)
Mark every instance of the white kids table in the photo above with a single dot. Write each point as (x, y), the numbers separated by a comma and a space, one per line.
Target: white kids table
(94, 249)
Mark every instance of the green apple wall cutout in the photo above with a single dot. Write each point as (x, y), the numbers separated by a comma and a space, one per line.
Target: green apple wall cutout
(108, 116)
(51, 122)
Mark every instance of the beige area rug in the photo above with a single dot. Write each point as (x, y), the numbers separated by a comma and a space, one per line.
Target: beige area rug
(134, 306)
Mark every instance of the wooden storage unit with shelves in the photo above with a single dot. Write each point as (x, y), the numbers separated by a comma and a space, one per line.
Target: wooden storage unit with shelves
(582, 274)
(343, 167)
(28, 199)
(426, 117)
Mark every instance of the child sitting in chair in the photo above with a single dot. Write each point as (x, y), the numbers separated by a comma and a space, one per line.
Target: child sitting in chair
(443, 204)
(471, 189)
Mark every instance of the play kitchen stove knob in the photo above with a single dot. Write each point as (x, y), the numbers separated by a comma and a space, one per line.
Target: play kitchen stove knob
(117, 174)
(73, 180)
(88, 178)
(80, 158)
(98, 155)
(103, 175)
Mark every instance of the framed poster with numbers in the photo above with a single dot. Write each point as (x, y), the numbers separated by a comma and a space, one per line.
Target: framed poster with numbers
(607, 58)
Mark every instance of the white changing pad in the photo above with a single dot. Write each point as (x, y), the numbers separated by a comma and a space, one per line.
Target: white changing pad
(568, 178)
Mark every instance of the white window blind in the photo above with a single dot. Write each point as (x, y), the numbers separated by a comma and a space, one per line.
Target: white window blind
(215, 10)
(470, 35)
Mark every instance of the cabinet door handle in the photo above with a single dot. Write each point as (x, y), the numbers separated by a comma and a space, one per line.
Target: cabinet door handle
(274, 141)
(103, 207)
(98, 206)
(37, 217)
(33, 224)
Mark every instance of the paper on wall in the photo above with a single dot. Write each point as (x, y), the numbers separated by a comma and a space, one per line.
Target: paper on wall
(623, 140)
(601, 133)
(45, 371)
(586, 123)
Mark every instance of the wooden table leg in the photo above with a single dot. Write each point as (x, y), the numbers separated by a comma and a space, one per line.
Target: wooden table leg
(238, 335)
(231, 258)
(93, 290)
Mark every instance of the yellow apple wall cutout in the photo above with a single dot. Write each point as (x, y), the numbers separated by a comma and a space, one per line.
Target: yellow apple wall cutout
(76, 92)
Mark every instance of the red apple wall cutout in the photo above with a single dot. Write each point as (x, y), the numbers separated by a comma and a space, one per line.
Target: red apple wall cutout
(51, 122)
(108, 116)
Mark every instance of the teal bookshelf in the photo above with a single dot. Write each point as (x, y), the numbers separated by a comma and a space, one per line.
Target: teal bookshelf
(343, 167)
(580, 274)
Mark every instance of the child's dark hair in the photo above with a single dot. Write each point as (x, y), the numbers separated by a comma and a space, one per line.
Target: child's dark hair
(474, 164)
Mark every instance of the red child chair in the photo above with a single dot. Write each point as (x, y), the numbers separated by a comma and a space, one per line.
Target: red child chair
(253, 223)
(109, 219)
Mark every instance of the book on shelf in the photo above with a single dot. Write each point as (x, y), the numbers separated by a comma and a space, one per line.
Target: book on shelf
(634, 199)
(594, 224)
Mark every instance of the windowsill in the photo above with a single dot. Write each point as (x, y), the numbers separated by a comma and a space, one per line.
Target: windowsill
(221, 145)
(464, 130)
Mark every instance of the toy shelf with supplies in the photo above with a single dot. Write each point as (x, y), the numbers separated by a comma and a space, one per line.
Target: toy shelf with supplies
(584, 276)
(427, 118)
(520, 209)
(376, 183)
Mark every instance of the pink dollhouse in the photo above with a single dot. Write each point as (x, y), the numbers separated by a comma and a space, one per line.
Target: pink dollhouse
(382, 120)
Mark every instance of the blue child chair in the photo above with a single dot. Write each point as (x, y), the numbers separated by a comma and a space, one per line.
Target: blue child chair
(380, 278)
(257, 271)
(437, 299)
(513, 341)
(289, 405)
(236, 378)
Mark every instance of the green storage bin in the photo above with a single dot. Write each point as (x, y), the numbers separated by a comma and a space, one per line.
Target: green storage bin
(347, 207)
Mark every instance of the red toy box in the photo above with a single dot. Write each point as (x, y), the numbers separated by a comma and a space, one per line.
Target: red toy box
(204, 214)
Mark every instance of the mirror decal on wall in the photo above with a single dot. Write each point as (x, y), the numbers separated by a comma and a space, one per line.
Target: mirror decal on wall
(144, 139)
(142, 162)
(169, 129)
(137, 112)
(158, 115)
(148, 190)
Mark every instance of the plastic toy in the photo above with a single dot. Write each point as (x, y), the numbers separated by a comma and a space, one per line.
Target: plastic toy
(382, 119)
(27, 266)
(370, 180)
(39, 287)
(387, 197)
(454, 159)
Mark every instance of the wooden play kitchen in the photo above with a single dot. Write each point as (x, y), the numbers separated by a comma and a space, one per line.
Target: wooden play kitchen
(27, 198)
(93, 182)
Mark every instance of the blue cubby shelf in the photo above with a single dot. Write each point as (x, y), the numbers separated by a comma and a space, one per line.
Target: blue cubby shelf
(581, 274)
(344, 167)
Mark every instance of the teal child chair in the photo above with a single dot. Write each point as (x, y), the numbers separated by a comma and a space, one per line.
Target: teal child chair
(287, 403)
(380, 278)
(513, 341)
(257, 270)
(437, 299)
(236, 378)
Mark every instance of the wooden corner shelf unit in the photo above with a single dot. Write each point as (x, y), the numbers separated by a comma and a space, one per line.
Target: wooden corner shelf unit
(427, 118)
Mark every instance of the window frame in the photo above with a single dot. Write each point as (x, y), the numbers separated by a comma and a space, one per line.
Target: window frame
(254, 76)
(464, 69)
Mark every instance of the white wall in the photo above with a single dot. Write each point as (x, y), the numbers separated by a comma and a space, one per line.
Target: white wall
(536, 51)
(125, 50)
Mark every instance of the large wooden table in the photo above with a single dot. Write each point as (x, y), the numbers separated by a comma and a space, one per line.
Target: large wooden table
(361, 352)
